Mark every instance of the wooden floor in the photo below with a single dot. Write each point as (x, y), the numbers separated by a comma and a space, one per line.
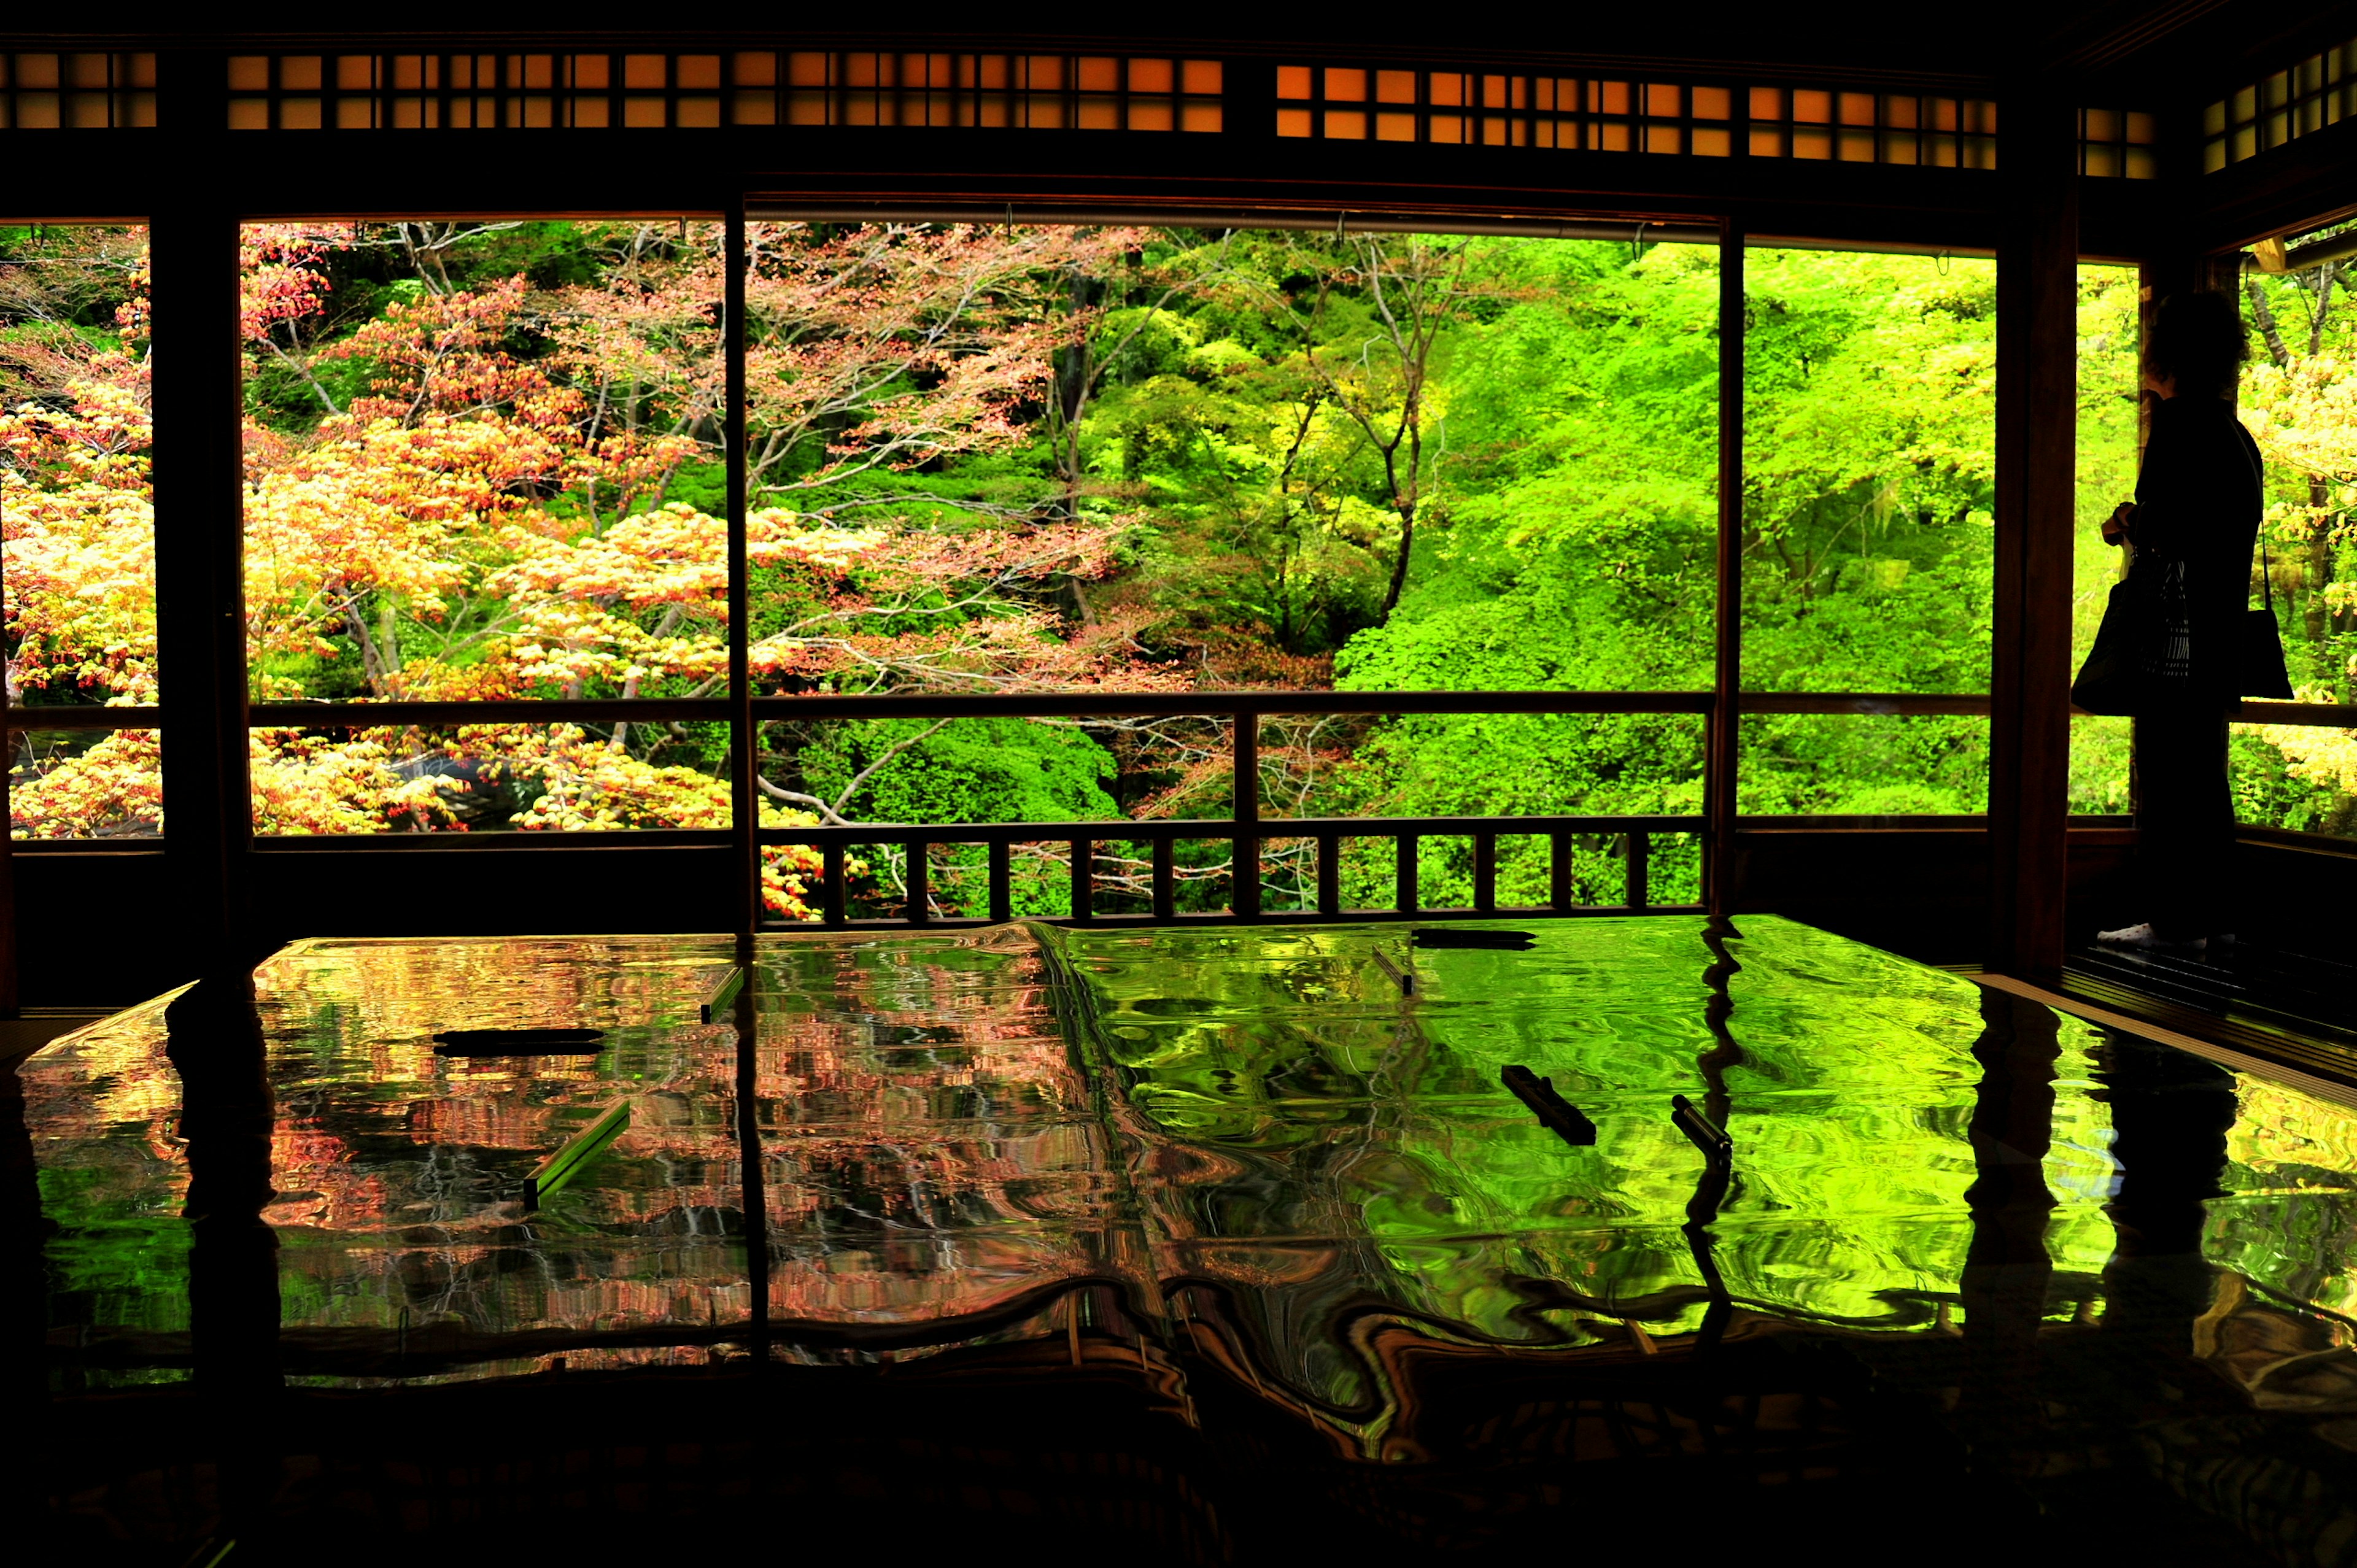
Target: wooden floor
(2296, 1008)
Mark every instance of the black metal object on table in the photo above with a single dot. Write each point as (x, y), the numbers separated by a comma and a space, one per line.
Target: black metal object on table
(518, 1042)
(1560, 1115)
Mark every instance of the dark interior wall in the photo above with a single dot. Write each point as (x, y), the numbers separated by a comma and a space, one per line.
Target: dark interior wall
(1924, 892)
(1921, 892)
(100, 930)
(2300, 896)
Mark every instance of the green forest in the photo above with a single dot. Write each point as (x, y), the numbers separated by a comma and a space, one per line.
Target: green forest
(485, 460)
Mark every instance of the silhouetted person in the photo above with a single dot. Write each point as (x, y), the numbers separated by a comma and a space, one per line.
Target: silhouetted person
(2193, 527)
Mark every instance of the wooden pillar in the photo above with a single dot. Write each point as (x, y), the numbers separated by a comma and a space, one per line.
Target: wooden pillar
(199, 538)
(10, 998)
(1720, 782)
(744, 916)
(2036, 410)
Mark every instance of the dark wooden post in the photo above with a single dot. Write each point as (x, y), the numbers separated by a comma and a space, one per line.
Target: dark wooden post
(1721, 749)
(2037, 409)
(10, 1000)
(200, 541)
(743, 738)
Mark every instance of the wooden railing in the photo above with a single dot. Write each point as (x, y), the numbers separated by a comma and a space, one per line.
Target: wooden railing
(1633, 838)
(1090, 891)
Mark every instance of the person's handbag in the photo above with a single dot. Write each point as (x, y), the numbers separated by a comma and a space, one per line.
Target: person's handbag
(2118, 676)
(2258, 644)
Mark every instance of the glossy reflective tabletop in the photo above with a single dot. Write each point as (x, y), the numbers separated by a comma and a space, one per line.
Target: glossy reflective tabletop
(1271, 1175)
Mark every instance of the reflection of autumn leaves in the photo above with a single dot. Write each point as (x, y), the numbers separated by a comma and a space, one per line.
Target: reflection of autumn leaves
(358, 1019)
(933, 1147)
(113, 1072)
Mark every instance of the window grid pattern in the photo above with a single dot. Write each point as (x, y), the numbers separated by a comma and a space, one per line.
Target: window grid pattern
(2117, 143)
(76, 91)
(739, 88)
(1594, 114)
(2298, 100)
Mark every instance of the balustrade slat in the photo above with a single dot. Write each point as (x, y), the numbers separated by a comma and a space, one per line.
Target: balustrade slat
(1083, 880)
(1166, 879)
(1244, 879)
(1635, 894)
(1485, 872)
(1329, 873)
(830, 894)
(1002, 882)
(1404, 882)
(921, 899)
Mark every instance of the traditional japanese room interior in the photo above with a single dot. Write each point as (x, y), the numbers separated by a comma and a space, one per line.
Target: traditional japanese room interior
(1208, 794)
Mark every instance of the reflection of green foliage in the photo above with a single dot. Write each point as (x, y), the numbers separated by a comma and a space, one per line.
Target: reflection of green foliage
(1288, 1058)
(1260, 1104)
(122, 1249)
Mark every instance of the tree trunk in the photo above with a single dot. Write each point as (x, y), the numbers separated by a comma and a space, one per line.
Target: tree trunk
(2265, 318)
(371, 663)
(1399, 566)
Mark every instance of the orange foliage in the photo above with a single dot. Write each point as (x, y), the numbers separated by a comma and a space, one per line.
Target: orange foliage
(493, 519)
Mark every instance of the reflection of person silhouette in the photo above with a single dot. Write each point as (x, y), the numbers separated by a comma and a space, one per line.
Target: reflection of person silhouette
(2172, 1113)
(2191, 527)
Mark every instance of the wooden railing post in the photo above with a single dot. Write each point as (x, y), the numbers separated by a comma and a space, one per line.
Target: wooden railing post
(1166, 879)
(1083, 878)
(1002, 880)
(921, 896)
(833, 902)
(1245, 880)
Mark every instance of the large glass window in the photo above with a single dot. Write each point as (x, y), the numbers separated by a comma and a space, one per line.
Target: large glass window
(1122, 460)
(2300, 399)
(484, 463)
(78, 517)
(1868, 525)
(2110, 393)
